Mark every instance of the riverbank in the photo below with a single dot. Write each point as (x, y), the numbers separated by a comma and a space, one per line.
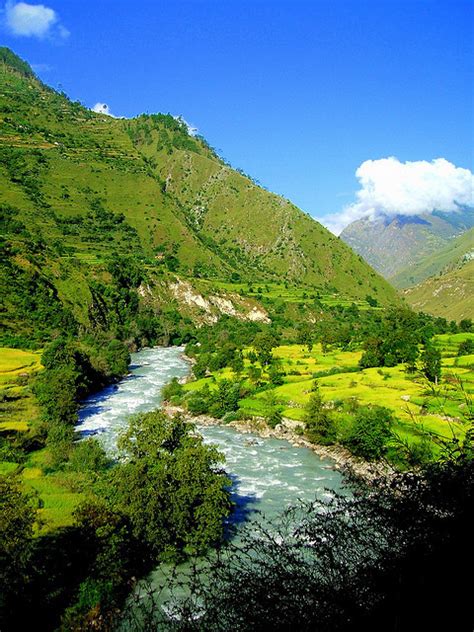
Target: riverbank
(287, 430)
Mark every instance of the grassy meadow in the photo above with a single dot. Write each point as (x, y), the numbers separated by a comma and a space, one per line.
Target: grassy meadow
(420, 408)
(55, 493)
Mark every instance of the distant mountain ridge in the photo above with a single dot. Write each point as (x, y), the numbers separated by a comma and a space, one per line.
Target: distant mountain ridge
(447, 281)
(392, 245)
(454, 254)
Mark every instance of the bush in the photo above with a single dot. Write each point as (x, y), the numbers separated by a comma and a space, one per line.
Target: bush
(88, 456)
(235, 415)
(371, 432)
(319, 422)
(172, 390)
(274, 418)
(198, 405)
(420, 453)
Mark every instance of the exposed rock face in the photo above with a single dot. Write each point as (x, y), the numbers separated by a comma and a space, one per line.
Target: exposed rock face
(213, 306)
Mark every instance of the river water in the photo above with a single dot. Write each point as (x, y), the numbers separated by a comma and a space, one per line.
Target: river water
(268, 474)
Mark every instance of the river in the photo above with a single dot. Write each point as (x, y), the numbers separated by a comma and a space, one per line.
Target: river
(268, 475)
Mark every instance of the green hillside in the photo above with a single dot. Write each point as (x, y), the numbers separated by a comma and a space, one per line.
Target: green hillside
(449, 294)
(453, 255)
(78, 188)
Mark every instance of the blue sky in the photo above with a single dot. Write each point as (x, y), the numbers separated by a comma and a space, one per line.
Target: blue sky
(297, 94)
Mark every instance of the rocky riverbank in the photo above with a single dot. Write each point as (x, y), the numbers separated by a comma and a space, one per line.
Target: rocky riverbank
(288, 430)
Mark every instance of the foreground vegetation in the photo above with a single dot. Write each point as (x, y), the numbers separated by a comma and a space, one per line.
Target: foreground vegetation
(392, 556)
(165, 500)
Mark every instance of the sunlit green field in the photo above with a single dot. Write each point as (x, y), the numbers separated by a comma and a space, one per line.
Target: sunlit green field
(17, 405)
(281, 292)
(418, 405)
(448, 343)
(54, 492)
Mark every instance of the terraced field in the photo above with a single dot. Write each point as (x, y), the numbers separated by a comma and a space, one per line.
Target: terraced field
(17, 409)
(279, 292)
(19, 419)
(420, 408)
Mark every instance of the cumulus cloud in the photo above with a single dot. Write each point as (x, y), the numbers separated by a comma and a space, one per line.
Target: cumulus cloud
(390, 187)
(103, 108)
(33, 20)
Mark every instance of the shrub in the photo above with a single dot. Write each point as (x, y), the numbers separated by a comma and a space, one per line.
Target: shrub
(274, 418)
(173, 389)
(235, 415)
(88, 456)
(371, 431)
(198, 405)
(319, 422)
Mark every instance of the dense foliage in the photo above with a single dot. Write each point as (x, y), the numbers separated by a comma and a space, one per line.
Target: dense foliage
(388, 557)
(166, 499)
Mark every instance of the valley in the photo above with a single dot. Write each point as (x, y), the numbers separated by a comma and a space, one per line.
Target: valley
(128, 242)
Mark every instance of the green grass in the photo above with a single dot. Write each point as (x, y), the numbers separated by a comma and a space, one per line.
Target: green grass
(418, 406)
(18, 409)
(19, 413)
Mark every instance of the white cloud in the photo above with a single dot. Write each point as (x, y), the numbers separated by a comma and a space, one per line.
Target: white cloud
(390, 187)
(33, 20)
(189, 126)
(41, 68)
(103, 108)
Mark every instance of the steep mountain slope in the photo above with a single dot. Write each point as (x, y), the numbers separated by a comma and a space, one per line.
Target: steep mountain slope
(252, 228)
(454, 253)
(390, 245)
(79, 188)
(446, 280)
(449, 294)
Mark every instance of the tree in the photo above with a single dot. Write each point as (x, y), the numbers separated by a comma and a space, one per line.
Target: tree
(263, 343)
(370, 432)
(465, 325)
(466, 347)
(17, 517)
(319, 422)
(226, 398)
(305, 336)
(394, 340)
(431, 363)
(275, 375)
(170, 488)
(237, 362)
